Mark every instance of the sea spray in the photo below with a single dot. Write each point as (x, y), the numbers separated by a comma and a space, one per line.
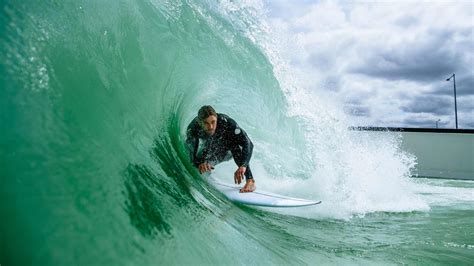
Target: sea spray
(354, 173)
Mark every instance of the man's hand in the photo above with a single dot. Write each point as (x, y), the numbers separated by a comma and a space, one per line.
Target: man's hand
(205, 167)
(239, 174)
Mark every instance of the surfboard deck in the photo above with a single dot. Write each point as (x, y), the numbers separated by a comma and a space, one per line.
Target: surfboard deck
(259, 197)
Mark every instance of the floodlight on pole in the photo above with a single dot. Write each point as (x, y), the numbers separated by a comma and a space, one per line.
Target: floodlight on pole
(453, 76)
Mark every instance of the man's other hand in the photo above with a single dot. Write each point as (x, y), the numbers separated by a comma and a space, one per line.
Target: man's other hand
(205, 167)
(239, 174)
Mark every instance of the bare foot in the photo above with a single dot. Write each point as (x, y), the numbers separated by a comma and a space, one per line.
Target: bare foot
(249, 186)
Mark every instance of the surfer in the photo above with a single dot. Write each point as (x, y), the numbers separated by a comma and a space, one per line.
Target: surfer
(212, 138)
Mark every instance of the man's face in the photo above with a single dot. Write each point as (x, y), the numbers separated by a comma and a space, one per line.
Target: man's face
(209, 124)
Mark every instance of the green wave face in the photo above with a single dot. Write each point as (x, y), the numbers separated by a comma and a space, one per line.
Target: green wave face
(95, 99)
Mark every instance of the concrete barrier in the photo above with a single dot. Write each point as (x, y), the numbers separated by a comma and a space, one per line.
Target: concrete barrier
(440, 153)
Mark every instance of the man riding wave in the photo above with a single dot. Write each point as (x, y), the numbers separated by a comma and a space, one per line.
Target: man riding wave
(212, 138)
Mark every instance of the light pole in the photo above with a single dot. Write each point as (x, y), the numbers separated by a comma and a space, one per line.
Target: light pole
(437, 121)
(455, 103)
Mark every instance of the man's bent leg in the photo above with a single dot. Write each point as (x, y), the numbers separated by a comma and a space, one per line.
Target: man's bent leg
(248, 173)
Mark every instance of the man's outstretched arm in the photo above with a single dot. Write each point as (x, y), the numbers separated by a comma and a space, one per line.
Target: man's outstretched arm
(192, 142)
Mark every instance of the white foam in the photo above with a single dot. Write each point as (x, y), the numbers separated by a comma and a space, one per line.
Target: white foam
(352, 173)
(317, 157)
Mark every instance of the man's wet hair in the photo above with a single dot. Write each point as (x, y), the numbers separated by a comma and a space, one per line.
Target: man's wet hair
(206, 111)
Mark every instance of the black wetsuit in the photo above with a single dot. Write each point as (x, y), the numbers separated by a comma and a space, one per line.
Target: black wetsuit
(229, 140)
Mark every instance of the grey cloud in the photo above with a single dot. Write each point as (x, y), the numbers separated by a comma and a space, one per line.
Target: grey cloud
(425, 122)
(466, 104)
(468, 124)
(422, 109)
(466, 111)
(332, 83)
(439, 105)
(322, 60)
(390, 71)
(464, 85)
(425, 59)
(356, 110)
(465, 97)
(464, 123)
(407, 21)
(287, 9)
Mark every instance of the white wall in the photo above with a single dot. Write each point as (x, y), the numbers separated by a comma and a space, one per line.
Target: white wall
(443, 155)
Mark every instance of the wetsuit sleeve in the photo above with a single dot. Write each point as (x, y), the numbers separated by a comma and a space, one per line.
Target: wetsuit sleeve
(192, 142)
(239, 137)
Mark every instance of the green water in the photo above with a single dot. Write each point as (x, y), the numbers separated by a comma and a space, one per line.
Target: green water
(95, 98)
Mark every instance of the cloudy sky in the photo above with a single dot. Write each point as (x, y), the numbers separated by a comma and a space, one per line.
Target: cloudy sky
(387, 60)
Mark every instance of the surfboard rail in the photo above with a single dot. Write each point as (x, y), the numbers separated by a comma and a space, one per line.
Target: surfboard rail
(260, 198)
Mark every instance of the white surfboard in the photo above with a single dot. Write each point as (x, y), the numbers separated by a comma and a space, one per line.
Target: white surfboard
(259, 198)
